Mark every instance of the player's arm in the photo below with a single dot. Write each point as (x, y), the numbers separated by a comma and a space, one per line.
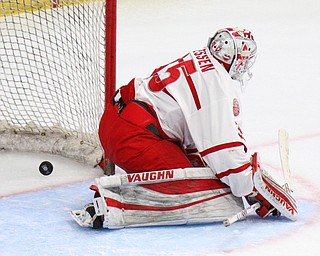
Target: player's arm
(221, 144)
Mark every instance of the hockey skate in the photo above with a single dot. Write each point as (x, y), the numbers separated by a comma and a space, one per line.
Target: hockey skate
(87, 217)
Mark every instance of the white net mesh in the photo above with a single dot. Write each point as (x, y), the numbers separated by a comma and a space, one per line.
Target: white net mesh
(52, 60)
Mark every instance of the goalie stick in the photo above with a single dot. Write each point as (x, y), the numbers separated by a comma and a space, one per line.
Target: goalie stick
(283, 140)
(241, 215)
(283, 144)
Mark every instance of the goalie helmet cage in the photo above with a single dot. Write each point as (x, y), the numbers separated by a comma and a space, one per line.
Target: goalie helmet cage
(57, 70)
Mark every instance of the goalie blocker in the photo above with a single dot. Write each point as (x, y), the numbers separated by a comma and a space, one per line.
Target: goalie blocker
(178, 196)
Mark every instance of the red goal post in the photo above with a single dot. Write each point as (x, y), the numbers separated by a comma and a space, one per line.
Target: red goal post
(57, 70)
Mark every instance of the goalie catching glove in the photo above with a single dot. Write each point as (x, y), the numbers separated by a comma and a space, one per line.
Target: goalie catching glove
(273, 198)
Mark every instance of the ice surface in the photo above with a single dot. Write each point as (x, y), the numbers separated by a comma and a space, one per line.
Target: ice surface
(284, 93)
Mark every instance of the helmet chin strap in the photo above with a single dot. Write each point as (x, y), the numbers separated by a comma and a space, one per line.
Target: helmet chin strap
(244, 80)
(243, 85)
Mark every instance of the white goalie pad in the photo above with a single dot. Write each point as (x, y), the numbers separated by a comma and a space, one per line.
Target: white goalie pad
(168, 197)
(274, 193)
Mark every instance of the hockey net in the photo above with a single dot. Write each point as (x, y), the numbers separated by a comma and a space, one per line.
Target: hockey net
(52, 70)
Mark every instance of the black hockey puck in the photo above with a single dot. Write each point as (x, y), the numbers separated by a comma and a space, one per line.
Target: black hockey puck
(46, 168)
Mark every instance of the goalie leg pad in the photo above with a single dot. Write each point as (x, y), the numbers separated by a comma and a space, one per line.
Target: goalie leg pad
(136, 206)
(152, 202)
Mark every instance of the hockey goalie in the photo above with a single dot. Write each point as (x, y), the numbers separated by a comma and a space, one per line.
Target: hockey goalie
(175, 138)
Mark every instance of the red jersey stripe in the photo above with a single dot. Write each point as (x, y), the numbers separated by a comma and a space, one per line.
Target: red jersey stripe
(233, 171)
(221, 147)
(114, 203)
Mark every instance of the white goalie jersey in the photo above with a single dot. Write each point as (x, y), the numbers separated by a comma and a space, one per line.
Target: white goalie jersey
(198, 103)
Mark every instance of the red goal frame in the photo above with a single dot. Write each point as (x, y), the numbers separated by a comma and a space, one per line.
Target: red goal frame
(110, 62)
(111, 47)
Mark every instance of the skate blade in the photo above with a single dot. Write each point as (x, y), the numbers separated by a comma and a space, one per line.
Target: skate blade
(76, 215)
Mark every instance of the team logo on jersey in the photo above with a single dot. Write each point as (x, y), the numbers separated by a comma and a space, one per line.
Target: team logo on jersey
(236, 107)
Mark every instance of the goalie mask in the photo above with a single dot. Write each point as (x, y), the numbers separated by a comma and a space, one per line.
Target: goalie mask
(236, 49)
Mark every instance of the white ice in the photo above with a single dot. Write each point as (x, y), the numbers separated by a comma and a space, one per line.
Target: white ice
(284, 93)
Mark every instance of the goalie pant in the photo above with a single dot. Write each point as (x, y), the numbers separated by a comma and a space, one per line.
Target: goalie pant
(135, 141)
